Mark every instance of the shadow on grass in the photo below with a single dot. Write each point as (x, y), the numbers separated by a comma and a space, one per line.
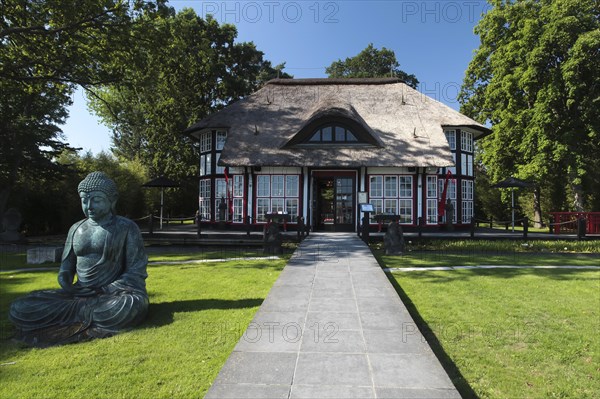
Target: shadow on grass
(450, 367)
(161, 314)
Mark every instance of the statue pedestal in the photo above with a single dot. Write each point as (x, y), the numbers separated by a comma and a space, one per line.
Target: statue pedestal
(36, 256)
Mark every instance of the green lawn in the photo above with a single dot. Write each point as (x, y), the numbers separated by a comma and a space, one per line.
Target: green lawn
(197, 314)
(427, 253)
(510, 333)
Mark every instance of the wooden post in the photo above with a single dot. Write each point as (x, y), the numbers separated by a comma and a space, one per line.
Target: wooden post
(198, 228)
(472, 228)
(365, 228)
(151, 224)
(525, 227)
(581, 227)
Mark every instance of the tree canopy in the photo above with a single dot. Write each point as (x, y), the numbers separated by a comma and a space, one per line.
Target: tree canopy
(46, 49)
(371, 63)
(535, 79)
(188, 68)
(148, 72)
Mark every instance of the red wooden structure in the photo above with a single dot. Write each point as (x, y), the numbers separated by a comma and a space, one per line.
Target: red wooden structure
(567, 222)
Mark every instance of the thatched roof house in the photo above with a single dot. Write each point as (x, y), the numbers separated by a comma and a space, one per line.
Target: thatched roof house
(400, 126)
(320, 129)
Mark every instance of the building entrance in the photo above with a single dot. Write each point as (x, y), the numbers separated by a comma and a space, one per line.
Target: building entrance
(334, 200)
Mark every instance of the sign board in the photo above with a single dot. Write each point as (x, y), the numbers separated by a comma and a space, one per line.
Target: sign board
(362, 197)
(366, 208)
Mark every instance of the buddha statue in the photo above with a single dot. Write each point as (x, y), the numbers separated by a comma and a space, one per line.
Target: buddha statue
(105, 253)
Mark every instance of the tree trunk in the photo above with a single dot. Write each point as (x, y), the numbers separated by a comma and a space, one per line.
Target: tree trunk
(537, 208)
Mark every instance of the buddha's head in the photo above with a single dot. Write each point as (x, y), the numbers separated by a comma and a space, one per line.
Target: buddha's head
(99, 196)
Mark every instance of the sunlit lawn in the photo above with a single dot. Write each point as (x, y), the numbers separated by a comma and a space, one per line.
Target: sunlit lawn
(510, 333)
(197, 314)
(427, 253)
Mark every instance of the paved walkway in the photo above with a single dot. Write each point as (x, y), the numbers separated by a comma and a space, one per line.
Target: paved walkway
(332, 326)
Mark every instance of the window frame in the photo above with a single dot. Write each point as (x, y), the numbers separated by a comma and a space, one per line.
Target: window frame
(383, 199)
(288, 192)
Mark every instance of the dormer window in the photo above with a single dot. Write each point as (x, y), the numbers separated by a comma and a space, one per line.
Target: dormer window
(333, 134)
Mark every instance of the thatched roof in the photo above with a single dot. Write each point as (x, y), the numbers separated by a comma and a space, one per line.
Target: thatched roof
(401, 126)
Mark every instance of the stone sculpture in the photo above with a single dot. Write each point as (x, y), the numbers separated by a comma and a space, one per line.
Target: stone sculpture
(449, 209)
(106, 254)
(394, 239)
(272, 239)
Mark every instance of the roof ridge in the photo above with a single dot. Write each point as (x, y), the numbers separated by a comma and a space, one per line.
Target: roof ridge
(334, 81)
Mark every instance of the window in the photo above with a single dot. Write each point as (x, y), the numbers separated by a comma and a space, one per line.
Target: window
(222, 196)
(277, 193)
(205, 164)
(467, 211)
(406, 187)
(238, 186)
(451, 137)
(467, 165)
(432, 202)
(391, 186)
(466, 142)
(390, 206)
(238, 198)
(392, 194)
(291, 186)
(219, 169)
(333, 134)
(432, 214)
(221, 138)
(450, 191)
(405, 210)
(376, 186)
(263, 186)
(277, 186)
(206, 142)
(238, 210)
(431, 186)
(263, 206)
(204, 199)
(467, 190)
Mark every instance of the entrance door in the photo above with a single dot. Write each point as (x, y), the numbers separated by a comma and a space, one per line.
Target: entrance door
(334, 209)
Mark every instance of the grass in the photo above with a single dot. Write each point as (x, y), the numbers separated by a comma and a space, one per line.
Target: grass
(18, 260)
(429, 253)
(507, 333)
(511, 333)
(197, 314)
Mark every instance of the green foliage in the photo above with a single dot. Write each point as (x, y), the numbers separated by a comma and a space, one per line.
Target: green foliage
(536, 79)
(184, 69)
(371, 63)
(197, 314)
(51, 206)
(46, 49)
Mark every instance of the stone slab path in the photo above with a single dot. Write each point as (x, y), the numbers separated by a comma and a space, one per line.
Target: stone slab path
(332, 326)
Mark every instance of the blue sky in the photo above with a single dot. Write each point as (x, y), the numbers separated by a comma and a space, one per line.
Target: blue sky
(432, 39)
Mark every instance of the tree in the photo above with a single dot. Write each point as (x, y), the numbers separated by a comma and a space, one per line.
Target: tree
(46, 49)
(536, 79)
(188, 68)
(370, 63)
